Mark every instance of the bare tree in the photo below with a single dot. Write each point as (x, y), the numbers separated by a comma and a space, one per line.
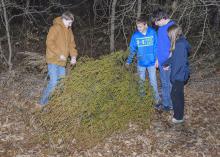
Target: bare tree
(8, 34)
(203, 31)
(112, 23)
(30, 13)
(139, 5)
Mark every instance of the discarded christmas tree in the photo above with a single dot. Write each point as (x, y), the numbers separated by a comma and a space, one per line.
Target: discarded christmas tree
(98, 98)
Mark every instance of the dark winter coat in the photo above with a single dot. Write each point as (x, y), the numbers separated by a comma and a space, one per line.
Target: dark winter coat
(178, 62)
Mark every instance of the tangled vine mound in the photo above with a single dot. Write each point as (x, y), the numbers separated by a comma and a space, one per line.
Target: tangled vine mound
(98, 98)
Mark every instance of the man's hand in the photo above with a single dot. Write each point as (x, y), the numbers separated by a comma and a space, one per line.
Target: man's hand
(73, 61)
(62, 58)
(156, 63)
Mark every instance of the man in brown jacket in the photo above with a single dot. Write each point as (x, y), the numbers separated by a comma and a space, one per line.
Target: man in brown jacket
(60, 45)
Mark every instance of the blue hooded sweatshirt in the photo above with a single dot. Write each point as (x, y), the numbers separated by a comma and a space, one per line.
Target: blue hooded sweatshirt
(145, 46)
(163, 47)
(178, 62)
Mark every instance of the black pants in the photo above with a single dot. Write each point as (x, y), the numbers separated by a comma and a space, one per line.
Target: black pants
(177, 96)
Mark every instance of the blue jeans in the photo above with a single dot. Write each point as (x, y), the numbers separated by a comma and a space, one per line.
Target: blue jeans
(152, 77)
(166, 86)
(55, 73)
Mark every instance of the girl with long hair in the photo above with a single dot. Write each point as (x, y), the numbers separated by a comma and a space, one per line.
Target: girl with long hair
(178, 62)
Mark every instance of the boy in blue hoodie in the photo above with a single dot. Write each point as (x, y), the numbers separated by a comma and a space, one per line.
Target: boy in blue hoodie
(144, 44)
(162, 20)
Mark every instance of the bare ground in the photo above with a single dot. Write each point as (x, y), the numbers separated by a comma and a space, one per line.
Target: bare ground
(199, 136)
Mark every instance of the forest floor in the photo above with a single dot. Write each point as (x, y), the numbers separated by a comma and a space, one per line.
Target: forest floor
(199, 136)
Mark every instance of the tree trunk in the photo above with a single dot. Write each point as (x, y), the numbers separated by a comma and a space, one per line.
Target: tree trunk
(139, 8)
(217, 19)
(8, 35)
(112, 31)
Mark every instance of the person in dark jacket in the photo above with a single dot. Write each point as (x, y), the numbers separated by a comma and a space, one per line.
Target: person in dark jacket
(178, 62)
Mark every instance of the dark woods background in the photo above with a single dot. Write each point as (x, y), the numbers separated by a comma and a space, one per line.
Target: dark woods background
(102, 26)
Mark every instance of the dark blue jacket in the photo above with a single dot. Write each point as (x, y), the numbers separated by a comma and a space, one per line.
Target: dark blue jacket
(145, 46)
(178, 62)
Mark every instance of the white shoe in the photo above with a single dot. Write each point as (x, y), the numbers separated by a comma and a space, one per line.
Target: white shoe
(174, 120)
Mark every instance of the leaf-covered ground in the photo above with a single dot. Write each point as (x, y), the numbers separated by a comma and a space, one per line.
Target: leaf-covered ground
(198, 136)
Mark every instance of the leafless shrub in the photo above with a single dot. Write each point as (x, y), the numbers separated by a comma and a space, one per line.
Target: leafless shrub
(33, 60)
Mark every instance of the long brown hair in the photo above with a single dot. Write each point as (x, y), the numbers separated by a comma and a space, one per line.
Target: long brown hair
(174, 33)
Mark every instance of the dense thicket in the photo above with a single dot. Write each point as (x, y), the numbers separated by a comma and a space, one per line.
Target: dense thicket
(102, 26)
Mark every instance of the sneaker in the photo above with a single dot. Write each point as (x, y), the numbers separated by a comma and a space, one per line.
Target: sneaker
(174, 120)
(158, 106)
(166, 108)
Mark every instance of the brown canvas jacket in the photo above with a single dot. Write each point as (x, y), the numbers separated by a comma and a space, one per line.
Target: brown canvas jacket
(60, 41)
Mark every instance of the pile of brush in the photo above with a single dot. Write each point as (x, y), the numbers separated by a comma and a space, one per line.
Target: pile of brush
(97, 98)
